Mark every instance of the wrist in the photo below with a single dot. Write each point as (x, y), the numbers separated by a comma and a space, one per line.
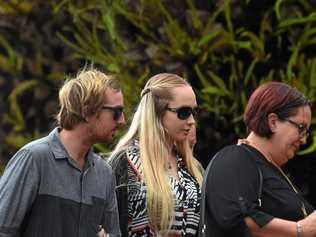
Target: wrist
(299, 230)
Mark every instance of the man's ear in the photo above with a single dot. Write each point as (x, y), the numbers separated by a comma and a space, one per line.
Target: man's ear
(84, 114)
(272, 121)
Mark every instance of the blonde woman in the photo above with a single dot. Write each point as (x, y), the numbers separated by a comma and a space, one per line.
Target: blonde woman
(158, 179)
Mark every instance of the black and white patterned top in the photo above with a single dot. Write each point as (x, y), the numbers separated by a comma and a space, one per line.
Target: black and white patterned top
(187, 195)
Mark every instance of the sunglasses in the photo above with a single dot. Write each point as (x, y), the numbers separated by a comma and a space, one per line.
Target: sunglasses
(117, 111)
(184, 112)
(302, 129)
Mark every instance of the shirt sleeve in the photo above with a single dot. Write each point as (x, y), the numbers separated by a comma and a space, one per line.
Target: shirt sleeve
(232, 189)
(18, 189)
(111, 217)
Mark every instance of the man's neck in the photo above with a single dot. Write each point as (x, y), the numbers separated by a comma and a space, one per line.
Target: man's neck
(76, 143)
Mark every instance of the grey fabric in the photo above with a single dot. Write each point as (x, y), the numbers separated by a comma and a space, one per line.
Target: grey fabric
(44, 193)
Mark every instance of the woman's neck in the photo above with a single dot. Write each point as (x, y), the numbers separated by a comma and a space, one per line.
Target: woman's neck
(169, 145)
(265, 147)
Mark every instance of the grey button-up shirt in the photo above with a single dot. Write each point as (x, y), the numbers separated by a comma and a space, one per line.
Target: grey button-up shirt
(44, 193)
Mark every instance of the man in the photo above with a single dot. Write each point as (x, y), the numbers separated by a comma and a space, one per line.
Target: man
(57, 186)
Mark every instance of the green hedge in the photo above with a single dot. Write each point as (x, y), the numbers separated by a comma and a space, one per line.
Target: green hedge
(33, 62)
(224, 48)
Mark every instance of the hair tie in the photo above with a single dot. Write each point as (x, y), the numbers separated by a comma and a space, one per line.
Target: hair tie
(145, 91)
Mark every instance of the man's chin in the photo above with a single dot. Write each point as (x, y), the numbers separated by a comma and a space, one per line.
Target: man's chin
(291, 156)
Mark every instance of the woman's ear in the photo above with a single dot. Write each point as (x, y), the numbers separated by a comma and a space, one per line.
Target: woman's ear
(272, 121)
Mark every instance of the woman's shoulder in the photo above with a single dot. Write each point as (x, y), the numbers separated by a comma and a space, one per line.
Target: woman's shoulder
(127, 158)
(234, 155)
(133, 149)
(120, 155)
(232, 150)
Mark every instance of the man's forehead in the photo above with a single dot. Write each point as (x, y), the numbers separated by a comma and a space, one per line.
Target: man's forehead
(113, 97)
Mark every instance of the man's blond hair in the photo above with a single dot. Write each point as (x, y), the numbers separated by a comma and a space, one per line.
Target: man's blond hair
(82, 96)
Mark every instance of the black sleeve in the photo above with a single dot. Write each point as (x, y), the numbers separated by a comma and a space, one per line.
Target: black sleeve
(111, 215)
(232, 189)
(120, 166)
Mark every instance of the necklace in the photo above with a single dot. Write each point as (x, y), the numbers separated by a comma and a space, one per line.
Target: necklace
(295, 190)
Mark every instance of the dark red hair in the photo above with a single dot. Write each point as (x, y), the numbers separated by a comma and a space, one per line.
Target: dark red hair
(272, 97)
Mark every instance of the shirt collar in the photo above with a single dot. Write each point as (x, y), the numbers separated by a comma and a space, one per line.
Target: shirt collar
(60, 151)
(57, 147)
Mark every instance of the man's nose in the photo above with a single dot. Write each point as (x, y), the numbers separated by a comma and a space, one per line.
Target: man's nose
(121, 120)
(191, 119)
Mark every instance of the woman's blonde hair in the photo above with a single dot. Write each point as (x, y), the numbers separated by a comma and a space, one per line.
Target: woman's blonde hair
(147, 127)
(83, 96)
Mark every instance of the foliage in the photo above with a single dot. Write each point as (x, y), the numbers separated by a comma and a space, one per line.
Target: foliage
(1, 169)
(224, 48)
(32, 63)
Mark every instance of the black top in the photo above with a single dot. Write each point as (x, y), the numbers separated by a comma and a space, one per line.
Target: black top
(232, 193)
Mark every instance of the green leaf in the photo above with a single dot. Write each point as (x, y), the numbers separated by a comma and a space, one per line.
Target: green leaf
(249, 72)
(297, 20)
(218, 81)
(113, 68)
(207, 38)
(292, 62)
(17, 140)
(201, 77)
(15, 110)
(101, 148)
(277, 9)
(213, 91)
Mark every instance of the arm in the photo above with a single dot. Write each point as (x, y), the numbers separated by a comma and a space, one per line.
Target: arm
(275, 228)
(283, 228)
(18, 190)
(231, 198)
(232, 192)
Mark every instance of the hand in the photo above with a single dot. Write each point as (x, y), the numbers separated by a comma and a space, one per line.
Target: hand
(102, 232)
(309, 225)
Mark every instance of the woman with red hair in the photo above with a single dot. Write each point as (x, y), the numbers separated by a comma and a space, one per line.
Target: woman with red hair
(247, 192)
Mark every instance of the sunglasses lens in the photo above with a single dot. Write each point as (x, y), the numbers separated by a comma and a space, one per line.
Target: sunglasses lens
(194, 112)
(185, 112)
(117, 113)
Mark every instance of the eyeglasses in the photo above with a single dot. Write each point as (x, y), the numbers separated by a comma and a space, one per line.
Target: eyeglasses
(302, 129)
(184, 112)
(117, 111)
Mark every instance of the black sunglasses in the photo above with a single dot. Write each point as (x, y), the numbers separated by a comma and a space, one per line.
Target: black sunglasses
(302, 129)
(184, 112)
(117, 111)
